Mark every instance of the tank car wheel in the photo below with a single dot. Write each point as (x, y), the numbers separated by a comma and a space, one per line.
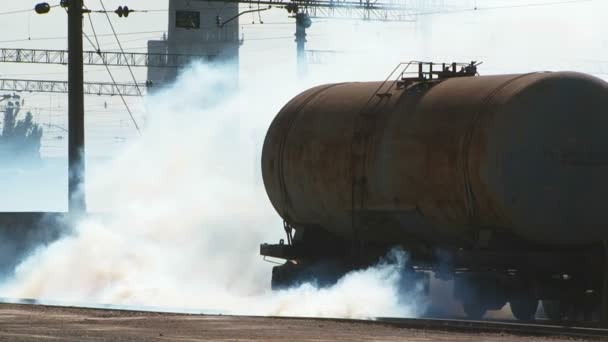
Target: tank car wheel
(553, 309)
(474, 309)
(524, 307)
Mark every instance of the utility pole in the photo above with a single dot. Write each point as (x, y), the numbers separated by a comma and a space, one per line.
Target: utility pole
(76, 194)
(76, 146)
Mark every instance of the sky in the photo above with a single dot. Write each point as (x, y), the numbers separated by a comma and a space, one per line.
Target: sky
(558, 35)
(509, 36)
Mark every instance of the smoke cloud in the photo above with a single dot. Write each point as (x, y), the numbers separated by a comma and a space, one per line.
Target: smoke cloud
(186, 214)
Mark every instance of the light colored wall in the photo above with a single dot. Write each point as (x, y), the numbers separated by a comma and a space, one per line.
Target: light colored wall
(208, 40)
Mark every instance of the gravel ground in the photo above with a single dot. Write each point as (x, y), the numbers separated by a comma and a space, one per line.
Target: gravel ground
(33, 322)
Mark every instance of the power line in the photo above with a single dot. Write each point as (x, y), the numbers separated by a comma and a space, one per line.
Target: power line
(15, 12)
(249, 39)
(55, 73)
(493, 8)
(65, 37)
(32, 10)
(394, 10)
(98, 48)
(117, 41)
(246, 40)
(22, 11)
(267, 23)
(94, 34)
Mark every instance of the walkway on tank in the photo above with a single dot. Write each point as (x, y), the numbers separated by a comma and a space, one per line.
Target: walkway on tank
(20, 322)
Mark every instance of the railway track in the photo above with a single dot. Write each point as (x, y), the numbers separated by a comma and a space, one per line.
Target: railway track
(507, 327)
(536, 328)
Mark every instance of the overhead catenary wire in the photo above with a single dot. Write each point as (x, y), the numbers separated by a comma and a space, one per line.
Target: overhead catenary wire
(94, 35)
(65, 37)
(139, 32)
(122, 98)
(494, 8)
(22, 11)
(32, 10)
(119, 45)
(57, 73)
(129, 33)
(124, 101)
(16, 12)
(132, 11)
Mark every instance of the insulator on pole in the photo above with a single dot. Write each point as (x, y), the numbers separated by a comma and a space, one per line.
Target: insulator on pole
(123, 11)
(42, 8)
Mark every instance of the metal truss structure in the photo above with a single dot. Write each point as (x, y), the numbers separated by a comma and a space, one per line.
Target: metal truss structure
(133, 59)
(384, 10)
(90, 88)
(304, 10)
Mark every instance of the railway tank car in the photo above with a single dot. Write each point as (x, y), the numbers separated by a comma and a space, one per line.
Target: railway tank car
(497, 182)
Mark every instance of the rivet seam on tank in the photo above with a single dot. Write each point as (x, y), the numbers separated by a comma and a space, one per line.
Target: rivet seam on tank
(291, 119)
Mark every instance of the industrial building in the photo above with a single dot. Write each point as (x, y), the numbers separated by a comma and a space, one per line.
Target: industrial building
(200, 29)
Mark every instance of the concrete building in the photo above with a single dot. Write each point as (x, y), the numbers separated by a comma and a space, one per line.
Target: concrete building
(195, 29)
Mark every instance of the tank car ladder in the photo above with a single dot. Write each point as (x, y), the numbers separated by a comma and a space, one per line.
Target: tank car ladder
(363, 127)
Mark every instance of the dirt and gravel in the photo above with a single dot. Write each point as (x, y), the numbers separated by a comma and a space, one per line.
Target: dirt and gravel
(34, 322)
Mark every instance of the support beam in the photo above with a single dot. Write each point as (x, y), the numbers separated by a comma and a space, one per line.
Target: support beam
(102, 58)
(302, 23)
(382, 10)
(61, 87)
(378, 12)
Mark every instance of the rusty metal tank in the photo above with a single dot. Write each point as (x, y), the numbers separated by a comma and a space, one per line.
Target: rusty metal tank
(440, 162)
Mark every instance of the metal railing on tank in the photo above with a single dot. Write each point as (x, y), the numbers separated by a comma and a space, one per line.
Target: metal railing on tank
(423, 72)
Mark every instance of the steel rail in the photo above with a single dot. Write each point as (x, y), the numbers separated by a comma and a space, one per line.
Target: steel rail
(535, 328)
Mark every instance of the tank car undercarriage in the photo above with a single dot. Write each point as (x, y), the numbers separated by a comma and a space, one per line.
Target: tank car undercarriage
(565, 283)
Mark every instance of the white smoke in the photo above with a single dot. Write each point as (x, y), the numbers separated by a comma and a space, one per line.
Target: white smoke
(188, 212)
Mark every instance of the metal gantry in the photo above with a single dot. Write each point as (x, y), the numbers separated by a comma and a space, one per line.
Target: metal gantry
(133, 59)
(90, 88)
(395, 10)
(304, 10)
